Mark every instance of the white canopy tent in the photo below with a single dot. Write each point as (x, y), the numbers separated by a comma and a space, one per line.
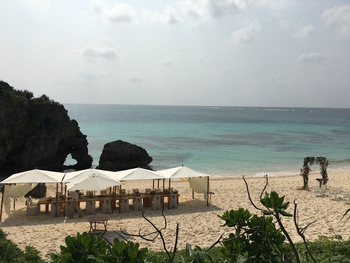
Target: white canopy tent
(77, 176)
(93, 182)
(138, 174)
(199, 181)
(32, 177)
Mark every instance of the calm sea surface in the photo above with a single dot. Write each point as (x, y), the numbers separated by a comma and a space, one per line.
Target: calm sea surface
(221, 140)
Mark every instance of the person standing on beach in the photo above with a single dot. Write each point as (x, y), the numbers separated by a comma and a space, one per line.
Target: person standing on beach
(76, 203)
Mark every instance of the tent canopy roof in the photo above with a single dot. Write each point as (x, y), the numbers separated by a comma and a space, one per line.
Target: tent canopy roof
(93, 182)
(181, 172)
(77, 176)
(137, 174)
(34, 176)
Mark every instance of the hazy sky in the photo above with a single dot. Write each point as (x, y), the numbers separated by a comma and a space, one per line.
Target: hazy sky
(187, 52)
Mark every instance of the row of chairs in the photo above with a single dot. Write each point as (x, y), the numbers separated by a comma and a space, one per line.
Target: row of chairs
(335, 193)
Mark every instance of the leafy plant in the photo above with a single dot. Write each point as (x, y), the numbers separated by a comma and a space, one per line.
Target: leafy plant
(122, 251)
(9, 252)
(83, 248)
(255, 238)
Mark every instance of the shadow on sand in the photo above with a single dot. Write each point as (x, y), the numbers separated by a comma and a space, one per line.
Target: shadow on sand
(19, 218)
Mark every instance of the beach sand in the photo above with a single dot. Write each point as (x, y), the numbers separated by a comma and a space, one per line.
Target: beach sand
(198, 224)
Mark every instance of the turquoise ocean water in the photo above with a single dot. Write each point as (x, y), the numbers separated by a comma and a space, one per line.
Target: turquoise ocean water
(221, 140)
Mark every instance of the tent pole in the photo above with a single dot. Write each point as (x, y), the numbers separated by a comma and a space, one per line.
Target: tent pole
(2, 201)
(65, 198)
(120, 198)
(208, 191)
(163, 194)
(56, 199)
(169, 194)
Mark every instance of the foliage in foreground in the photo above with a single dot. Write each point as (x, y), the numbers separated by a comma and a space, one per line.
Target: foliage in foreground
(91, 248)
(10, 252)
(325, 250)
(252, 239)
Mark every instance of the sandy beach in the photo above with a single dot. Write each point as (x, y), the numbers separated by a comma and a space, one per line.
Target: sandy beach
(199, 224)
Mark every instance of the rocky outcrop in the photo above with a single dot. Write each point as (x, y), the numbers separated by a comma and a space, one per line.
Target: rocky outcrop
(37, 133)
(38, 191)
(120, 155)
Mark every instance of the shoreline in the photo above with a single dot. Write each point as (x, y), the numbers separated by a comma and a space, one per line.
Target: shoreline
(199, 224)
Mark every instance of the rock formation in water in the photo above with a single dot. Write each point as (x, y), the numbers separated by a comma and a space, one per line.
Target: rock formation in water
(37, 133)
(120, 155)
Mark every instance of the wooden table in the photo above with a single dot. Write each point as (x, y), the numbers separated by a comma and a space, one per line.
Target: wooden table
(101, 219)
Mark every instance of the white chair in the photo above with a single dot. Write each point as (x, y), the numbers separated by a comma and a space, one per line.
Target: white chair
(32, 209)
(124, 205)
(90, 207)
(69, 209)
(55, 211)
(137, 203)
(322, 191)
(335, 193)
(156, 205)
(345, 196)
(107, 207)
(173, 201)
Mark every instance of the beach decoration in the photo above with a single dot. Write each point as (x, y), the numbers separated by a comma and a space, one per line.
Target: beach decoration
(305, 171)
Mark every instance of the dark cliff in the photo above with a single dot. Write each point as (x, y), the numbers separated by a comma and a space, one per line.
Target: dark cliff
(37, 132)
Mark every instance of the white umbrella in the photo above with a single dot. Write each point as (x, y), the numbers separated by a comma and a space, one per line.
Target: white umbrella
(34, 176)
(93, 182)
(184, 172)
(137, 174)
(181, 172)
(77, 176)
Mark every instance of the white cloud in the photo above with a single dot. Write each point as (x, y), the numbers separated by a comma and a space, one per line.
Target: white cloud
(339, 16)
(35, 3)
(168, 16)
(310, 57)
(244, 36)
(119, 13)
(202, 10)
(275, 4)
(167, 62)
(305, 32)
(102, 52)
(136, 79)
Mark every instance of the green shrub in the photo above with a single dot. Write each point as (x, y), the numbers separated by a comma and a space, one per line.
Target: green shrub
(9, 252)
(329, 249)
(255, 238)
(82, 248)
(127, 252)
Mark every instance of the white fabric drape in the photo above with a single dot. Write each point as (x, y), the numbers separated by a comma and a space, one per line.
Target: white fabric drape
(199, 185)
(15, 191)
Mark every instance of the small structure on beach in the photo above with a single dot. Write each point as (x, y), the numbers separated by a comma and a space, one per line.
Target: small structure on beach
(305, 171)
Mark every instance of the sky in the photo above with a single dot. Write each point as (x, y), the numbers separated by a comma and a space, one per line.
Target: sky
(273, 53)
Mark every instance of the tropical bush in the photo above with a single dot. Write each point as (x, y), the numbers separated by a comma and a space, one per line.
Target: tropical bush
(10, 252)
(93, 248)
(255, 238)
(82, 248)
